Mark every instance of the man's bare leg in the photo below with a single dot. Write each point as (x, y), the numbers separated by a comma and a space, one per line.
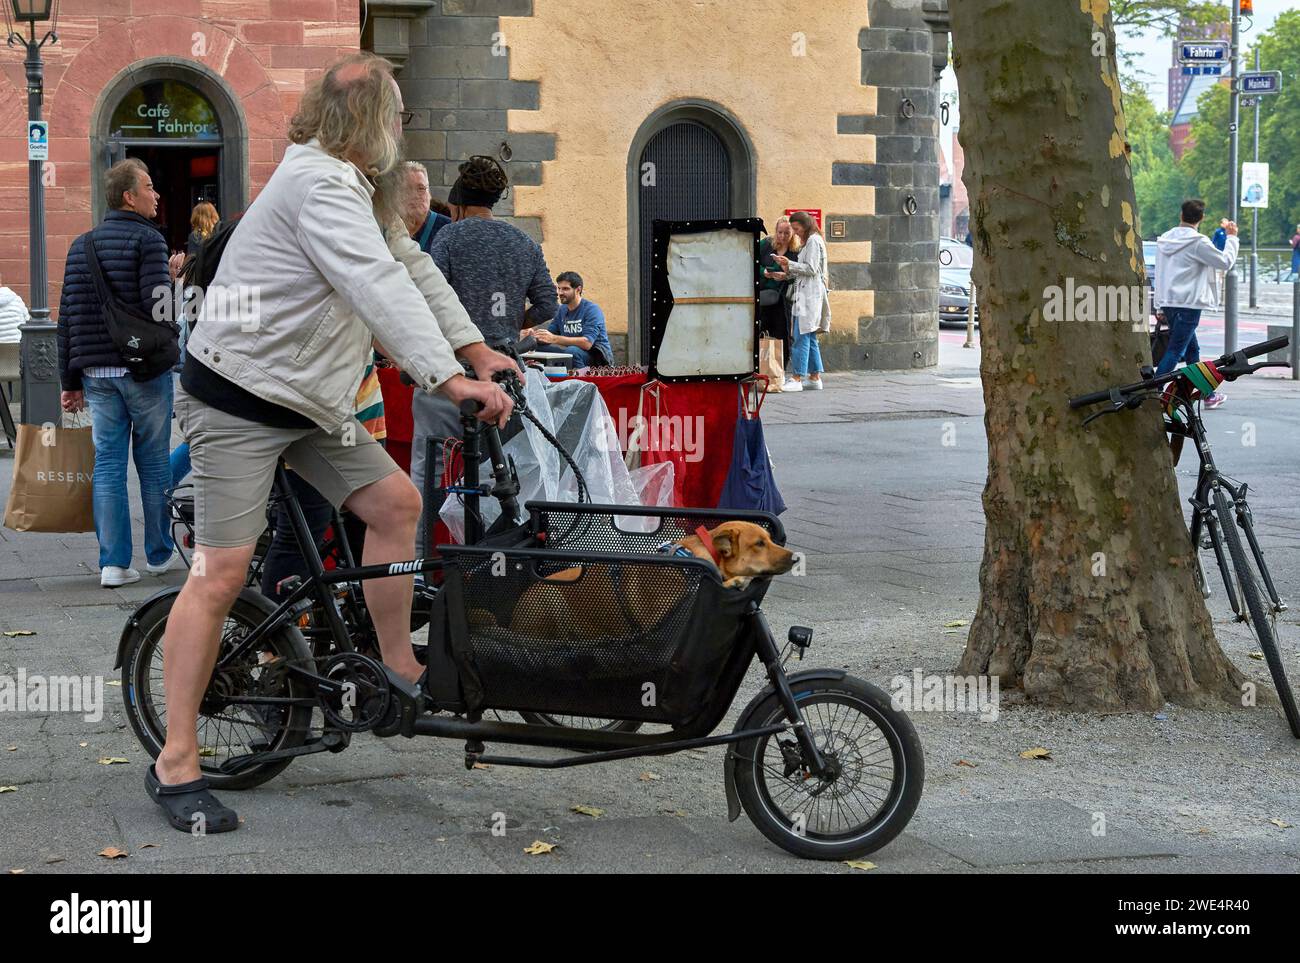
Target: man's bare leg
(390, 508)
(190, 647)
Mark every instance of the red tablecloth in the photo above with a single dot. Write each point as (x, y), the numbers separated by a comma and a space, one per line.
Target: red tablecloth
(698, 482)
(715, 403)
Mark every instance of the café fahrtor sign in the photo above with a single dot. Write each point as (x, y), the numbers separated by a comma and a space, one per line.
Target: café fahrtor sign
(165, 125)
(166, 109)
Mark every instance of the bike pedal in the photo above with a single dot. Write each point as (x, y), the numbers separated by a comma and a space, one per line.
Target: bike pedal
(404, 707)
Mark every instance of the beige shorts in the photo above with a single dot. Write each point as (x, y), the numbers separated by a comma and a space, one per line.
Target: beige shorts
(234, 466)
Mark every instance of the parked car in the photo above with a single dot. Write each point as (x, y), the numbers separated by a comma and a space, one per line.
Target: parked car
(1149, 257)
(955, 263)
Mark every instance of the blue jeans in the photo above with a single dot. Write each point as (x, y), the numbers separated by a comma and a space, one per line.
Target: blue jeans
(180, 463)
(125, 413)
(806, 356)
(1182, 338)
(581, 357)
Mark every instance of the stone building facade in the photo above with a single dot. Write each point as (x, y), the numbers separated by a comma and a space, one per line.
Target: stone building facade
(829, 106)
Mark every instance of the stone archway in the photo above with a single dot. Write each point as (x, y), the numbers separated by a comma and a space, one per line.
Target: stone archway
(730, 181)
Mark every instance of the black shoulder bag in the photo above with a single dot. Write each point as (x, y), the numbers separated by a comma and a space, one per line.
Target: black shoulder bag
(149, 348)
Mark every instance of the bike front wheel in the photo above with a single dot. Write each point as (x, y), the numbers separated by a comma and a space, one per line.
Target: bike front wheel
(1256, 614)
(874, 786)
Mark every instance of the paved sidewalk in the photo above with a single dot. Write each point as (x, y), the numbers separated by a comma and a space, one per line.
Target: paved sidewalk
(883, 475)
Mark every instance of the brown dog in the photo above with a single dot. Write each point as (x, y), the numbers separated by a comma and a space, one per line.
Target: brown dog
(594, 600)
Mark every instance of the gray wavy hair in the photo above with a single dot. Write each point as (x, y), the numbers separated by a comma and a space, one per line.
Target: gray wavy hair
(351, 110)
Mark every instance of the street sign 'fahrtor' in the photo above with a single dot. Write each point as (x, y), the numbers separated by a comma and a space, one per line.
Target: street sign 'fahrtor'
(1267, 82)
(1206, 56)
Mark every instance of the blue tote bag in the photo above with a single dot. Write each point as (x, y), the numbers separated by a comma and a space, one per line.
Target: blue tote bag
(750, 483)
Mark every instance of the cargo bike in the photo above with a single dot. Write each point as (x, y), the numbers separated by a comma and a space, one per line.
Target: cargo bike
(820, 761)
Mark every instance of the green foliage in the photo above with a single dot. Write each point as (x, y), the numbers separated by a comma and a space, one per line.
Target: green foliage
(1165, 15)
(1160, 184)
(1206, 162)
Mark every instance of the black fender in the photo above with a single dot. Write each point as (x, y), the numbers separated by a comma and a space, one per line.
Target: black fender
(167, 596)
(133, 622)
(729, 761)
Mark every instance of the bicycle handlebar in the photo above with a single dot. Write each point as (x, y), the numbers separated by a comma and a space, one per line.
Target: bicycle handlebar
(1230, 366)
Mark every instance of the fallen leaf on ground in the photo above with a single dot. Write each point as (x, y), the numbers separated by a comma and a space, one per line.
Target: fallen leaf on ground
(8, 788)
(441, 839)
(112, 852)
(116, 682)
(11, 748)
(481, 765)
(679, 813)
(1257, 656)
(56, 859)
(83, 744)
(649, 776)
(148, 845)
(16, 872)
(955, 624)
(1280, 824)
(113, 761)
(1038, 752)
(859, 864)
(17, 632)
(538, 848)
(592, 811)
(963, 762)
(207, 751)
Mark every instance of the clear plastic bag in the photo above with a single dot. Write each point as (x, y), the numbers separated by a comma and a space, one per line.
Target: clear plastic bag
(575, 413)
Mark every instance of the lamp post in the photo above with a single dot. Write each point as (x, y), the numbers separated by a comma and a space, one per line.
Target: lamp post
(1234, 172)
(39, 352)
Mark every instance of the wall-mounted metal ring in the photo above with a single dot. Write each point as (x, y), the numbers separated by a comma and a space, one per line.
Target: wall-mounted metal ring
(943, 113)
(909, 205)
(907, 109)
(505, 152)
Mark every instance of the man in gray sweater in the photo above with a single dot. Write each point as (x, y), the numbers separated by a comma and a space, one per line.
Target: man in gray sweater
(501, 278)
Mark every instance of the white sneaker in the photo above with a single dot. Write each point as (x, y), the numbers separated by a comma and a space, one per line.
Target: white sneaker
(792, 385)
(111, 576)
(162, 569)
(814, 384)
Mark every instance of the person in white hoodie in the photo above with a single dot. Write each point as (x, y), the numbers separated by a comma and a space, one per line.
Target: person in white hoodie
(12, 313)
(1186, 284)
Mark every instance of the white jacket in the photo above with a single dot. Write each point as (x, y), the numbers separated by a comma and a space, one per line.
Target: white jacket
(810, 306)
(12, 313)
(305, 282)
(1186, 262)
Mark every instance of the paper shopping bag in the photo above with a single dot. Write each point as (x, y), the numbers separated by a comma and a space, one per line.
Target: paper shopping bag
(771, 363)
(53, 472)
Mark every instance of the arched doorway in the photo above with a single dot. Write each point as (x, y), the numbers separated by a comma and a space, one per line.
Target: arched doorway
(689, 161)
(181, 121)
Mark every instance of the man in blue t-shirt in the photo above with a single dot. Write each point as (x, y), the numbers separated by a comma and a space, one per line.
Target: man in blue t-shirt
(578, 328)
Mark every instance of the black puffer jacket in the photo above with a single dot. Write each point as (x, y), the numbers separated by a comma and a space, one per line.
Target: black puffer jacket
(133, 255)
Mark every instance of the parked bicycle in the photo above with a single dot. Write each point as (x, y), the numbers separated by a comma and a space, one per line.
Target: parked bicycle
(820, 761)
(1219, 504)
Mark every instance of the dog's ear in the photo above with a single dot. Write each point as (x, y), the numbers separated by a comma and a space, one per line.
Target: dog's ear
(724, 541)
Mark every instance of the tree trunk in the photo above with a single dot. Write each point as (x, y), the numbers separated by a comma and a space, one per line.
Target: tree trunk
(1087, 593)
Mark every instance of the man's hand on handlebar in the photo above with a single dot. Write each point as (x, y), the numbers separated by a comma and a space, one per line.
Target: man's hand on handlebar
(486, 362)
(495, 405)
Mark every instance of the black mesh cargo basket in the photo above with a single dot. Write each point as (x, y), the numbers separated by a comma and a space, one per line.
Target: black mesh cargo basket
(637, 636)
(625, 529)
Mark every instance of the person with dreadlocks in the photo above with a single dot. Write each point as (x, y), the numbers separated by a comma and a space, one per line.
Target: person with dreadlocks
(501, 278)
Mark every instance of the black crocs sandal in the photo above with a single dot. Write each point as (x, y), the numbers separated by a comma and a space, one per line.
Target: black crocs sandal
(183, 801)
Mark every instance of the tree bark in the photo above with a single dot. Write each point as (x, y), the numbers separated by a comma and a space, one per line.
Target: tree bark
(1087, 594)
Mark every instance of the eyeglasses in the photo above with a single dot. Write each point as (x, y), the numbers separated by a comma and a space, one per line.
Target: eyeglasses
(407, 117)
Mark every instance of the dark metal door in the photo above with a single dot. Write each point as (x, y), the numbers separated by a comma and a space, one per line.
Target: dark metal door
(688, 178)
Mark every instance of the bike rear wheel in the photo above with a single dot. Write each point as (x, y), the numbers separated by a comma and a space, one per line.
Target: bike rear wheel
(225, 728)
(1257, 613)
